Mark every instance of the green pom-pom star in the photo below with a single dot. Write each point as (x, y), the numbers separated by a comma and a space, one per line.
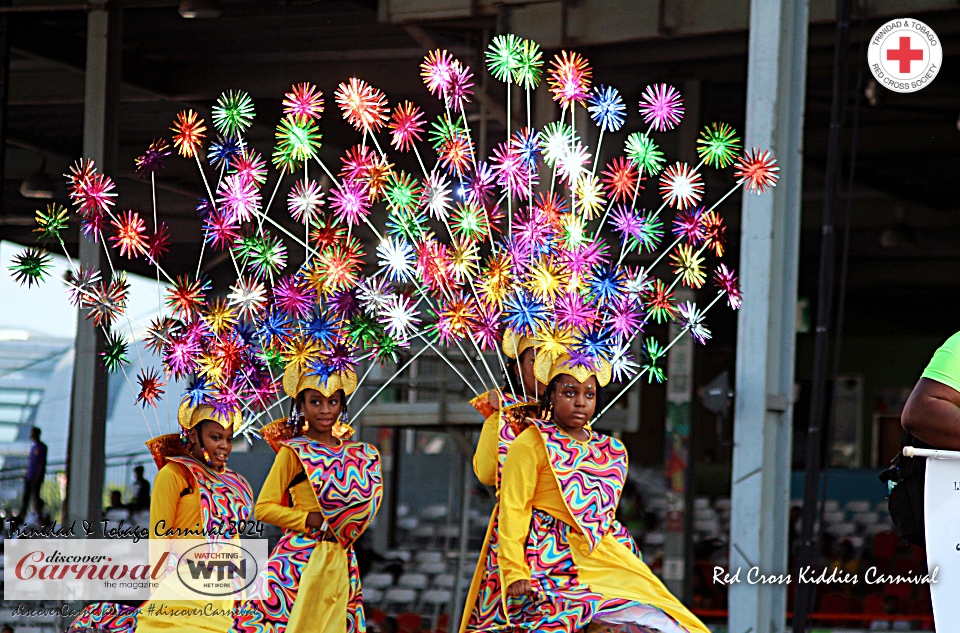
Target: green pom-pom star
(51, 221)
(233, 114)
(298, 138)
(115, 353)
(718, 145)
(653, 356)
(31, 266)
(504, 56)
(529, 70)
(644, 153)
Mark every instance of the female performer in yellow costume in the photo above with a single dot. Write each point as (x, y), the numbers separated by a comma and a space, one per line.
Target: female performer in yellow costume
(194, 492)
(556, 551)
(324, 491)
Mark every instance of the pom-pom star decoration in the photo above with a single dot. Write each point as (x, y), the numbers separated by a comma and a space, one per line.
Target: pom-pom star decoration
(51, 221)
(233, 114)
(151, 387)
(31, 266)
(445, 248)
(188, 133)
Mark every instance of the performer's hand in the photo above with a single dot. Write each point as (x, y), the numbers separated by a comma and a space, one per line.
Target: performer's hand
(519, 588)
(315, 520)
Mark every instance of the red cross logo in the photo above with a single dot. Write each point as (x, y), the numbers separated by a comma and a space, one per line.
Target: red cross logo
(905, 54)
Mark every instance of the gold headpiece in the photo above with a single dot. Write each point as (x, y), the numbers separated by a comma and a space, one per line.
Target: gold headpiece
(190, 416)
(515, 344)
(546, 368)
(296, 380)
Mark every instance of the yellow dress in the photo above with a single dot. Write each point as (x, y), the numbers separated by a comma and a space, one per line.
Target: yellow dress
(179, 512)
(612, 570)
(326, 578)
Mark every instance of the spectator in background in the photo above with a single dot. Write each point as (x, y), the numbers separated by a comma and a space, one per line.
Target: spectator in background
(6, 629)
(116, 501)
(141, 491)
(36, 471)
(932, 413)
(116, 511)
(37, 518)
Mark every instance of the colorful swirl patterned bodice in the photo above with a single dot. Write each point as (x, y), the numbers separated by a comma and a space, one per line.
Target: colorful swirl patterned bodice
(347, 482)
(591, 476)
(225, 498)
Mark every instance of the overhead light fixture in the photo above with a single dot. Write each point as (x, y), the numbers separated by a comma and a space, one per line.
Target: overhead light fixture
(39, 184)
(199, 9)
(899, 234)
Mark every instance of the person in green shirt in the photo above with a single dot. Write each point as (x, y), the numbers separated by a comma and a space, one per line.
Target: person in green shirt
(932, 412)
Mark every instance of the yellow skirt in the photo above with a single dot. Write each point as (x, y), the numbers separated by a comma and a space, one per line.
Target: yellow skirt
(323, 593)
(614, 572)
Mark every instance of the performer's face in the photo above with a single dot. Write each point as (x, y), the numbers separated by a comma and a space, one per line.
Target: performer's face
(574, 402)
(531, 386)
(320, 411)
(217, 440)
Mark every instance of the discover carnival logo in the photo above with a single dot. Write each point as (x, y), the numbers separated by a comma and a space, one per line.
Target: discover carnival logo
(905, 55)
(103, 569)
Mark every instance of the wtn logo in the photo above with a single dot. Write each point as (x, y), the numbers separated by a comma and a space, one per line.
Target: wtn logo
(224, 569)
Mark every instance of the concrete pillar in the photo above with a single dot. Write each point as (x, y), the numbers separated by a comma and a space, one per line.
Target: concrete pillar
(88, 412)
(766, 327)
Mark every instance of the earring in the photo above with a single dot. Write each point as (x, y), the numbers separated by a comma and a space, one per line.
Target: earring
(304, 425)
(342, 429)
(206, 457)
(183, 437)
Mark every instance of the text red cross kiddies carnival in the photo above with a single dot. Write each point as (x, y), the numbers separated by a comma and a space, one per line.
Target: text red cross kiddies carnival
(905, 54)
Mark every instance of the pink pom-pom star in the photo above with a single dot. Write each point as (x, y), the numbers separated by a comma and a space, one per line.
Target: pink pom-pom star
(569, 78)
(221, 229)
(726, 279)
(93, 194)
(661, 106)
(436, 69)
(239, 196)
(304, 102)
(350, 201)
(158, 243)
(406, 126)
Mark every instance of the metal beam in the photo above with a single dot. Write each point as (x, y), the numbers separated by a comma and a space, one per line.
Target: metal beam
(88, 411)
(766, 336)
